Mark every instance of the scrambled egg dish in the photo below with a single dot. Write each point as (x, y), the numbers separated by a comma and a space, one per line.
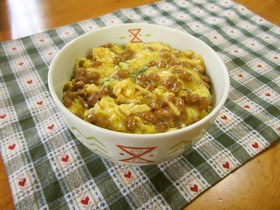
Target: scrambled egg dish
(139, 88)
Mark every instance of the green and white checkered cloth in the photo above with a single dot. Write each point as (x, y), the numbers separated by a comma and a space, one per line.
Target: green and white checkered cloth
(48, 168)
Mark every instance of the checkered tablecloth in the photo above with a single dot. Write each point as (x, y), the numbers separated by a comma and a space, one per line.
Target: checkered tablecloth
(49, 168)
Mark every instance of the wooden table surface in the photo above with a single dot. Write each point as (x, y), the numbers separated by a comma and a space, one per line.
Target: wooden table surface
(255, 185)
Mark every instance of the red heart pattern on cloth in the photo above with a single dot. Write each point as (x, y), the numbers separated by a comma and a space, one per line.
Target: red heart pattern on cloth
(51, 127)
(29, 81)
(247, 106)
(127, 175)
(3, 116)
(194, 188)
(65, 158)
(22, 182)
(226, 165)
(255, 145)
(40, 102)
(85, 200)
(224, 117)
(11, 147)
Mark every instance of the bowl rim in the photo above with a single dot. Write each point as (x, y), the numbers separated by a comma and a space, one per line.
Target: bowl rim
(210, 116)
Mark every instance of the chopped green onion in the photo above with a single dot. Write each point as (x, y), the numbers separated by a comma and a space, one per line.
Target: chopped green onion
(107, 80)
(139, 72)
(123, 65)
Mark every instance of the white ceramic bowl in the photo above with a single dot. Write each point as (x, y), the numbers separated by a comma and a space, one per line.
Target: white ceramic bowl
(136, 149)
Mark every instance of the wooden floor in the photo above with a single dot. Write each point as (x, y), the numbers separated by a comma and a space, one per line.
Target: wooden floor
(255, 185)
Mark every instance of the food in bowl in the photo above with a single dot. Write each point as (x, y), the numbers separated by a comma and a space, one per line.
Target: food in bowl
(133, 148)
(140, 88)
